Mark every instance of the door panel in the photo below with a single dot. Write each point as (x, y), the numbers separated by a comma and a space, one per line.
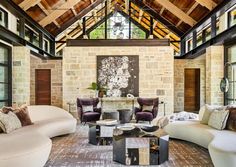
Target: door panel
(43, 86)
(191, 90)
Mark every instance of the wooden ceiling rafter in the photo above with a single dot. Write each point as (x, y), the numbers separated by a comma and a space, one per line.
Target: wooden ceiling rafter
(176, 11)
(160, 27)
(159, 32)
(26, 4)
(162, 10)
(78, 33)
(47, 13)
(56, 13)
(156, 16)
(78, 17)
(140, 15)
(209, 4)
(189, 12)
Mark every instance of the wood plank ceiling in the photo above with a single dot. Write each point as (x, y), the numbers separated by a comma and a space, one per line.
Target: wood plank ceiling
(63, 18)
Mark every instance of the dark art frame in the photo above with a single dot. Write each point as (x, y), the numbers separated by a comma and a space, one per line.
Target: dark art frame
(135, 72)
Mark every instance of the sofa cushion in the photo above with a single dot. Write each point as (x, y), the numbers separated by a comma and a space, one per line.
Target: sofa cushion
(22, 113)
(231, 122)
(208, 110)
(9, 122)
(218, 119)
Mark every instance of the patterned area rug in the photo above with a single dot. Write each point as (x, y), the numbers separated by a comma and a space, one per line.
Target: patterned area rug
(74, 151)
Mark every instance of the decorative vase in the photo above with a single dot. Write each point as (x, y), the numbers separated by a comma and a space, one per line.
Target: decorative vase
(96, 93)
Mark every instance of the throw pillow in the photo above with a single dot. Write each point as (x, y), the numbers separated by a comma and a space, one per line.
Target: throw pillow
(231, 122)
(208, 110)
(0, 123)
(5, 109)
(87, 108)
(9, 122)
(218, 119)
(201, 112)
(22, 113)
(147, 108)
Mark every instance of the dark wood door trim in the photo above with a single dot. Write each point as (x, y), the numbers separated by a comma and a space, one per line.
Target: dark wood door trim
(36, 84)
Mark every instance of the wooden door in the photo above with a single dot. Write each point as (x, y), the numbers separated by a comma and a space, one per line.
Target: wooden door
(43, 86)
(192, 90)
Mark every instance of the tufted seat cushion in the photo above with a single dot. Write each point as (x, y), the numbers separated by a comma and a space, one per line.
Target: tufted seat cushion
(144, 116)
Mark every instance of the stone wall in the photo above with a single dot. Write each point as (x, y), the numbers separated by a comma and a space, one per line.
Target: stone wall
(156, 71)
(214, 74)
(56, 78)
(211, 66)
(180, 65)
(21, 75)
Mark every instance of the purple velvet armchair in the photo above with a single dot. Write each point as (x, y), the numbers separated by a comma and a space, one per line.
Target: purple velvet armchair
(148, 109)
(90, 115)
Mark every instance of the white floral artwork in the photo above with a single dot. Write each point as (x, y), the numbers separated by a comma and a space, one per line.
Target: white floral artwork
(117, 74)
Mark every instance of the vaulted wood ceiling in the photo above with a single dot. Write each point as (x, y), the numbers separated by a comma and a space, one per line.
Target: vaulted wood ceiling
(63, 18)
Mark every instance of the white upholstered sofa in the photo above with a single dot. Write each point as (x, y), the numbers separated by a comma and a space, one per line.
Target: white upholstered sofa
(30, 146)
(220, 143)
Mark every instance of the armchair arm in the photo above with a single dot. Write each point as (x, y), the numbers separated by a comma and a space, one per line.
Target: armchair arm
(99, 110)
(80, 111)
(155, 111)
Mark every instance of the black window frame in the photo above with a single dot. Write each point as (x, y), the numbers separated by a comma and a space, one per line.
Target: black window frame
(229, 17)
(5, 17)
(9, 65)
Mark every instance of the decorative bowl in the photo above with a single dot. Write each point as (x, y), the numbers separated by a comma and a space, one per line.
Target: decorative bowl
(149, 128)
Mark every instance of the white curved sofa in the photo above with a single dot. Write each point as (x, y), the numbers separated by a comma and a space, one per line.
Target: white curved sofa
(221, 144)
(30, 146)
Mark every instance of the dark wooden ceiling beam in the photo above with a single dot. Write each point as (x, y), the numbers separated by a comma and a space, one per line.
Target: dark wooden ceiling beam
(78, 16)
(156, 16)
(220, 7)
(17, 11)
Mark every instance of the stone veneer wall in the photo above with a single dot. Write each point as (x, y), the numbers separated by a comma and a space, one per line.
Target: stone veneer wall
(214, 74)
(211, 65)
(56, 78)
(21, 75)
(179, 66)
(155, 74)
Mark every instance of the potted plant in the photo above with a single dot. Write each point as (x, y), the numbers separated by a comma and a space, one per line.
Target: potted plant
(99, 90)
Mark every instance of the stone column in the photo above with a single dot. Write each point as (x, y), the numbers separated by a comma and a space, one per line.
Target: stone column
(214, 74)
(21, 75)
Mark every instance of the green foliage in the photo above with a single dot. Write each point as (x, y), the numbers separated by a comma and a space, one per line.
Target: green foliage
(98, 33)
(95, 86)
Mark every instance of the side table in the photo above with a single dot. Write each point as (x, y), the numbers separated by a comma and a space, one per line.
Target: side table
(125, 115)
